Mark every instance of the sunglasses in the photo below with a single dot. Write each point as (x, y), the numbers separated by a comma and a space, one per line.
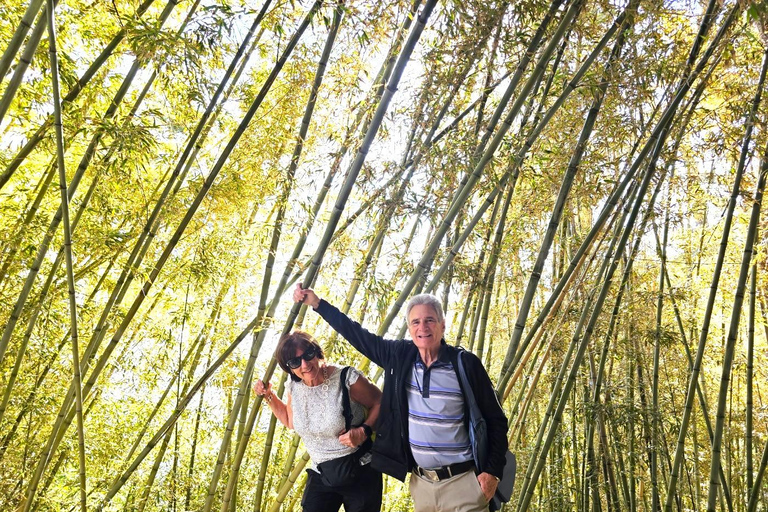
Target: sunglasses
(308, 355)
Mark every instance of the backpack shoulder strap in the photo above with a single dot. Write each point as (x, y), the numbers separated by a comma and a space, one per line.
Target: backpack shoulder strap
(346, 408)
(464, 379)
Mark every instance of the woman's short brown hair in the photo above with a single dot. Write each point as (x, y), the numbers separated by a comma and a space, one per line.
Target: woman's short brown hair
(286, 349)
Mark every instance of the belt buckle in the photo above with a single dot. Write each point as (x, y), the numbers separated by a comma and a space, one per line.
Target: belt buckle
(430, 474)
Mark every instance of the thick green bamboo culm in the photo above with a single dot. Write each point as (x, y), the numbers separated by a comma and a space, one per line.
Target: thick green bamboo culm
(76, 380)
(754, 494)
(733, 332)
(357, 164)
(70, 97)
(25, 24)
(704, 330)
(750, 356)
(282, 202)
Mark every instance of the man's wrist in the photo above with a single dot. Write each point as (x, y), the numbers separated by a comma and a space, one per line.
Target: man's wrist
(367, 429)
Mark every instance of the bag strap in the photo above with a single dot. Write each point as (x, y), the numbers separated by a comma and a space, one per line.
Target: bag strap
(469, 396)
(346, 408)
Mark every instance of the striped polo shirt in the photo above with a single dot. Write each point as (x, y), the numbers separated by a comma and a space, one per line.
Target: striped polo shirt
(437, 433)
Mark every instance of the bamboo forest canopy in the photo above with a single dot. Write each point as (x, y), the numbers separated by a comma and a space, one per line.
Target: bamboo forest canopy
(578, 181)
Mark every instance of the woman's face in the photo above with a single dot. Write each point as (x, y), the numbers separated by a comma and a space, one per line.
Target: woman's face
(307, 371)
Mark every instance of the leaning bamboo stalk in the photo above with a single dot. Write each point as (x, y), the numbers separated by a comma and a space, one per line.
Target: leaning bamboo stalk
(182, 227)
(287, 279)
(357, 164)
(463, 193)
(704, 332)
(73, 93)
(26, 59)
(599, 373)
(491, 272)
(586, 261)
(59, 132)
(67, 413)
(276, 233)
(289, 459)
(482, 289)
(523, 403)
(527, 494)
(515, 163)
(116, 295)
(83, 165)
(26, 221)
(62, 421)
(733, 333)
(660, 128)
(283, 492)
(268, 442)
(32, 321)
(624, 21)
(754, 494)
(153, 472)
(750, 356)
(25, 24)
(526, 58)
(136, 256)
(556, 385)
(195, 437)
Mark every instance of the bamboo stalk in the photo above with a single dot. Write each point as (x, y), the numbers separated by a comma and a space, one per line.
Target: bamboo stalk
(704, 332)
(362, 152)
(623, 21)
(177, 235)
(25, 24)
(282, 202)
(76, 379)
(733, 332)
(420, 271)
(70, 97)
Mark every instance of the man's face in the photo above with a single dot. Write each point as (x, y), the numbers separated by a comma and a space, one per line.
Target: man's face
(425, 330)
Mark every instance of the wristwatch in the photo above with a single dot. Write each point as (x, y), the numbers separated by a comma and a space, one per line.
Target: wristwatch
(368, 430)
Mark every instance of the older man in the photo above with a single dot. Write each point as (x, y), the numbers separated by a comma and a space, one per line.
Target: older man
(423, 424)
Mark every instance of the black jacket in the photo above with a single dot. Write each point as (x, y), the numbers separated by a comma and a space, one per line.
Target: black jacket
(391, 450)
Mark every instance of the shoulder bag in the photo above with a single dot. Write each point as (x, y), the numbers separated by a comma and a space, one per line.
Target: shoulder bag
(344, 470)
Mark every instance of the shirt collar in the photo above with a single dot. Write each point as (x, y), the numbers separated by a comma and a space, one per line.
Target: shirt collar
(442, 357)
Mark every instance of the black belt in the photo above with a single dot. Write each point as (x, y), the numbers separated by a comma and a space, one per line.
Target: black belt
(441, 473)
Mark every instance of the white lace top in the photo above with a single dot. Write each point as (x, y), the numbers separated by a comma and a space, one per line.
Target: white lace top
(318, 416)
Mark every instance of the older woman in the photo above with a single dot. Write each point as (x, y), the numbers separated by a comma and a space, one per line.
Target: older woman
(315, 410)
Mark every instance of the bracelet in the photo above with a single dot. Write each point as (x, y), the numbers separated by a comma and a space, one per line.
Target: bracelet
(268, 398)
(368, 430)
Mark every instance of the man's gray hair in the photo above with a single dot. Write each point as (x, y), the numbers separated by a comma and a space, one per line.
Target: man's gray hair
(426, 299)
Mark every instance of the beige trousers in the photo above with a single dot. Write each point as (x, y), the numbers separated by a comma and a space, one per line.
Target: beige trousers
(460, 493)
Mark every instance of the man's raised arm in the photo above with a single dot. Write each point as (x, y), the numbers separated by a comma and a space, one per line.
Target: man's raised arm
(374, 347)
